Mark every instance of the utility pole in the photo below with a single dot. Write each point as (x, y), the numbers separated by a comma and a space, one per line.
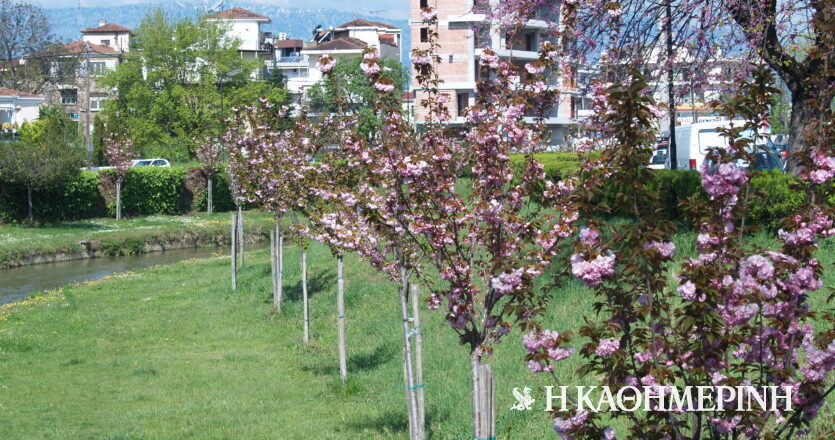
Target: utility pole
(668, 31)
(87, 127)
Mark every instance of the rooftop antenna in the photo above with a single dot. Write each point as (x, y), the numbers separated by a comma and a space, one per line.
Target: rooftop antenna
(216, 7)
(376, 13)
(78, 16)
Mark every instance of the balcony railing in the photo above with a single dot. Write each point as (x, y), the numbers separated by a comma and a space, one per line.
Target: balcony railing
(295, 59)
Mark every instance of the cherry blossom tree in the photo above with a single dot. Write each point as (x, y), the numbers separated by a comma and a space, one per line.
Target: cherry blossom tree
(739, 314)
(269, 166)
(208, 153)
(119, 154)
(489, 241)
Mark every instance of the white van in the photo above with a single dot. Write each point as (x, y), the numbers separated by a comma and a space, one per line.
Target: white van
(694, 140)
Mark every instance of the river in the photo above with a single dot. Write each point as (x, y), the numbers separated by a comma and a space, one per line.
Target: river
(19, 282)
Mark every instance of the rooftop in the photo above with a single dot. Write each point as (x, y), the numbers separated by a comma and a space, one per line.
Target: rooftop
(105, 28)
(347, 43)
(77, 47)
(283, 44)
(9, 92)
(361, 22)
(239, 14)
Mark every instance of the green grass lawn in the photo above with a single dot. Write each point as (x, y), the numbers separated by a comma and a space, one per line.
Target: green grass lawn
(171, 353)
(19, 241)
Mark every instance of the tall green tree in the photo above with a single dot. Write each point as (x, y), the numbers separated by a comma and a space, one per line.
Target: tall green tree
(49, 153)
(24, 31)
(177, 83)
(348, 84)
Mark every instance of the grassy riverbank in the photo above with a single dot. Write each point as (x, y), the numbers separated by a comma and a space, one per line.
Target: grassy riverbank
(117, 237)
(171, 353)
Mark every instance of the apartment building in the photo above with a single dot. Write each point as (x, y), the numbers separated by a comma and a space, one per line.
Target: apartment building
(245, 26)
(75, 67)
(463, 35)
(298, 61)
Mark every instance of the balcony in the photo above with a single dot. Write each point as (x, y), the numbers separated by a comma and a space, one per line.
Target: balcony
(522, 55)
(291, 61)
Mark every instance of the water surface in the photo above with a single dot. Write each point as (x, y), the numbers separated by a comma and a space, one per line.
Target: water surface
(18, 282)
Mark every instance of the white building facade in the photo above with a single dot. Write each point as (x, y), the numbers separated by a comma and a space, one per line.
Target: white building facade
(18, 107)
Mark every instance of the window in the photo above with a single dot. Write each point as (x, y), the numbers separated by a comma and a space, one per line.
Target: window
(98, 68)
(69, 96)
(424, 35)
(424, 4)
(97, 102)
(105, 42)
(463, 100)
(530, 40)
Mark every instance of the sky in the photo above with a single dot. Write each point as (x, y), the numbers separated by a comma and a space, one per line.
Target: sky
(388, 8)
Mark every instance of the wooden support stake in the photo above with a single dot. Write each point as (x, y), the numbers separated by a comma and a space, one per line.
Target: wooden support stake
(241, 237)
(273, 269)
(209, 196)
(280, 267)
(418, 333)
(408, 370)
(232, 255)
(484, 411)
(340, 312)
(306, 310)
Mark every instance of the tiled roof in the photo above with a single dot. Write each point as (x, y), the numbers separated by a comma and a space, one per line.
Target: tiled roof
(80, 46)
(346, 43)
(239, 13)
(283, 44)
(361, 22)
(108, 28)
(9, 92)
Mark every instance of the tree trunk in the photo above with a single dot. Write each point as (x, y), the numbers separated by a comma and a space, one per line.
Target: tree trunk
(241, 242)
(340, 312)
(802, 114)
(118, 200)
(233, 235)
(484, 405)
(421, 401)
(408, 371)
(209, 196)
(29, 214)
(305, 309)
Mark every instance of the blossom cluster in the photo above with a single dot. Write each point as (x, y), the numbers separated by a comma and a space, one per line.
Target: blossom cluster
(119, 154)
(544, 347)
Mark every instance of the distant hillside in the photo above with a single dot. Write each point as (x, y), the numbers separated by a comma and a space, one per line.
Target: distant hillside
(297, 23)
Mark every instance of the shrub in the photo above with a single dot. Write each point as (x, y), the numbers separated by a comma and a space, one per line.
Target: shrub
(221, 195)
(75, 199)
(152, 190)
(772, 198)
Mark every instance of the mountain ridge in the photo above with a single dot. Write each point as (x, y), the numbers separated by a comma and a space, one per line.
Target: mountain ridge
(296, 22)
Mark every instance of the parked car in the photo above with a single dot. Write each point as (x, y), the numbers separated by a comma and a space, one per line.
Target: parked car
(150, 163)
(693, 142)
(659, 156)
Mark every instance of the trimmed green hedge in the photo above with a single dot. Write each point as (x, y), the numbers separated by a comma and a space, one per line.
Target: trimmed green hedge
(145, 191)
(177, 190)
(148, 190)
(771, 199)
(77, 199)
